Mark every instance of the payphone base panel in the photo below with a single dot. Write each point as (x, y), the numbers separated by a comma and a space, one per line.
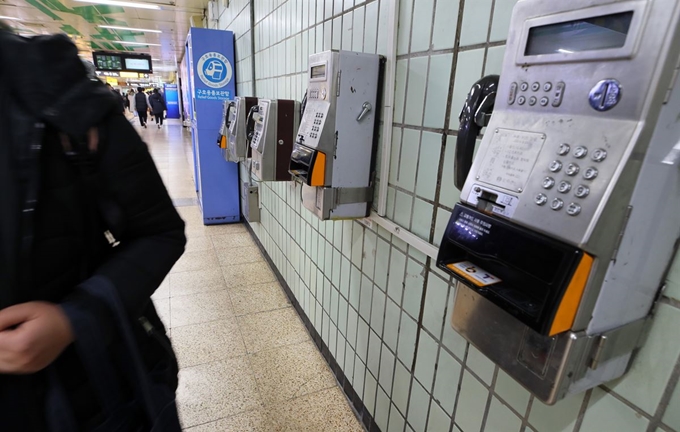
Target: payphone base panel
(549, 367)
(323, 202)
(250, 202)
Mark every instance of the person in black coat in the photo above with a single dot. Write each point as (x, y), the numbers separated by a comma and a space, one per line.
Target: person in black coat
(157, 107)
(53, 245)
(141, 106)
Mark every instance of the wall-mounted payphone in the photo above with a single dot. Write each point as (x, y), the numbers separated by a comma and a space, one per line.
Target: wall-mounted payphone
(233, 140)
(272, 124)
(333, 153)
(568, 213)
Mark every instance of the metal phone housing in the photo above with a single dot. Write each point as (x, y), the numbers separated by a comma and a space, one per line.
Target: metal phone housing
(275, 124)
(333, 153)
(573, 159)
(237, 147)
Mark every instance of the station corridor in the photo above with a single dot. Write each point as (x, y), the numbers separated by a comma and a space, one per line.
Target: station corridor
(246, 361)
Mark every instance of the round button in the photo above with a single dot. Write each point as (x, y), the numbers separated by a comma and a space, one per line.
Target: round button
(582, 191)
(573, 209)
(555, 166)
(548, 182)
(524, 86)
(599, 155)
(590, 173)
(580, 152)
(544, 101)
(521, 100)
(532, 100)
(535, 86)
(556, 204)
(323, 93)
(540, 199)
(564, 149)
(547, 86)
(572, 169)
(564, 187)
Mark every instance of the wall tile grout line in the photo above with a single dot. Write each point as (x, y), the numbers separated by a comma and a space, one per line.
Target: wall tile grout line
(657, 418)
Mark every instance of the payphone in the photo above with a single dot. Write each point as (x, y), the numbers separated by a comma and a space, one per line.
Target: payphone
(232, 140)
(272, 124)
(333, 152)
(568, 213)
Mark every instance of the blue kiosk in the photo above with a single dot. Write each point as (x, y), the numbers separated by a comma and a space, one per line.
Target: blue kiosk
(210, 55)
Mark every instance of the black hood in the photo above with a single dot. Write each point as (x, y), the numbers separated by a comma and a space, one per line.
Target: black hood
(46, 76)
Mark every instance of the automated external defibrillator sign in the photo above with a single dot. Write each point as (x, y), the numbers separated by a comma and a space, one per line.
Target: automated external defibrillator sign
(569, 192)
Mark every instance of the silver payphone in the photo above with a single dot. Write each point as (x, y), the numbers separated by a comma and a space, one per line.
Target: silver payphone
(569, 211)
(333, 153)
(272, 124)
(233, 140)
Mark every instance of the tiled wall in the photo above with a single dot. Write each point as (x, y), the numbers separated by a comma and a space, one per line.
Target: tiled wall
(379, 304)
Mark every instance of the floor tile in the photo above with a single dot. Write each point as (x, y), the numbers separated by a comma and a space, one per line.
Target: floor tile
(267, 330)
(195, 261)
(251, 421)
(196, 243)
(200, 308)
(163, 290)
(193, 282)
(216, 390)
(238, 255)
(247, 274)
(326, 411)
(290, 371)
(232, 240)
(250, 299)
(207, 342)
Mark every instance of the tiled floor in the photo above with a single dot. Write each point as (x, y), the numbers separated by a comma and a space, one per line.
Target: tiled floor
(247, 363)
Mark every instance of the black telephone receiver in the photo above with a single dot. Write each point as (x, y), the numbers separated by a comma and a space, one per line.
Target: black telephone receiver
(250, 126)
(475, 115)
(227, 120)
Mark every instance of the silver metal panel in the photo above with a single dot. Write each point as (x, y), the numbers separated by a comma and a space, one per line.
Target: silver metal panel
(237, 148)
(250, 202)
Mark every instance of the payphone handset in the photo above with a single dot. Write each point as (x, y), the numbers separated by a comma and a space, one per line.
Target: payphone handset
(333, 153)
(233, 137)
(272, 124)
(567, 170)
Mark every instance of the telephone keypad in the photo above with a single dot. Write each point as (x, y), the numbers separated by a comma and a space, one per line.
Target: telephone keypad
(582, 191)
(521, 100)
(590, 173)
(548, 182)
(544, 101)
(524, 86)
(535, 86)
(555, 166)
(540, 199)
(564, 149)
(599, 155)
(564, 187)
(573, 209)
(572, 169)
(547, 86)
(580, 152)
(532, 100)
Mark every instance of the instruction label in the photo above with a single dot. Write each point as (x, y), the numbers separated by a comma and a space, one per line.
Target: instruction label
(510, 158)
(473, 273)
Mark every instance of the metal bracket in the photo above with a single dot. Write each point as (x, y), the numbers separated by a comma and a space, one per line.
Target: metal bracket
(352, 195)
(619, 341)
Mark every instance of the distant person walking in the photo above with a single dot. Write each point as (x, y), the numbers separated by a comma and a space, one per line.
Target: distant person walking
(157, 107)
(141, 106)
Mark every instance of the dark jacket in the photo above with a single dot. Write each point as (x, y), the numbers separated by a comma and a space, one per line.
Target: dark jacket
(68, 246)
(157, 103)
(140, 102)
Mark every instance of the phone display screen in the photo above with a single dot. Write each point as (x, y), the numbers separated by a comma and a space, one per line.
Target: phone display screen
(590, 34)
(318, 71)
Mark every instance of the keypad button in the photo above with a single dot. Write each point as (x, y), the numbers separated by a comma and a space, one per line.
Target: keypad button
(513, 93)
(532, 100)
(559, 94)
(590, 173)
(547, 86)
(599, 155)
(564, 187)
(564, 149)
(555, 166)
(573, 209)
(521, 100)
(535, 86)
(544, 101)
(524, 86)
(582, 191)
(548, 182)
(556, 204)
(580, 152)
(540, 199)
(572, 169)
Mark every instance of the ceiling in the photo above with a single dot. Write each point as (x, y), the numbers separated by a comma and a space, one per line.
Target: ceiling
(81, 21)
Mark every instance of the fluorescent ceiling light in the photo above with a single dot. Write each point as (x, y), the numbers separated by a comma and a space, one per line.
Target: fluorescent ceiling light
(122, 4)
(129, 28)
(135, 43)
(10, 18)
(565, 51)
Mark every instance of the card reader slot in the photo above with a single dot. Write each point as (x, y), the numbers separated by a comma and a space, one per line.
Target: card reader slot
(531, 272)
